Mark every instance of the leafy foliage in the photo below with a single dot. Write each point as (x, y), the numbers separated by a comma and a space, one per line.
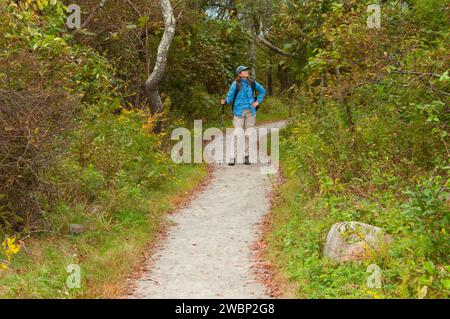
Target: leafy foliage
(369, 143)
(72, 140)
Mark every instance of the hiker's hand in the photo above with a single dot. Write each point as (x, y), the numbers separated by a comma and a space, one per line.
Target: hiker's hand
(223, 102)
(255, 104)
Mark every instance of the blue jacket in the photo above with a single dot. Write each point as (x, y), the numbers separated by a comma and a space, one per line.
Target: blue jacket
(244, 99)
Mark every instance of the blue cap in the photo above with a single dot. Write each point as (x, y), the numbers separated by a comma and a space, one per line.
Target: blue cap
(242, 68)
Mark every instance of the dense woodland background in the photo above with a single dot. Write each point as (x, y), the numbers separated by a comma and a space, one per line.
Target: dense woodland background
(367, 140)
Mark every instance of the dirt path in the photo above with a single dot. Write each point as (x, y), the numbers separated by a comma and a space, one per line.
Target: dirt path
(207, 251)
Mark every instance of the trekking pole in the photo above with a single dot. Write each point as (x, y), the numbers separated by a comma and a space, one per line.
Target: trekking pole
(223, 159)
(222, 115)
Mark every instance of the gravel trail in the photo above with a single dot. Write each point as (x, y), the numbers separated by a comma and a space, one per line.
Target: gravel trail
(206, 253)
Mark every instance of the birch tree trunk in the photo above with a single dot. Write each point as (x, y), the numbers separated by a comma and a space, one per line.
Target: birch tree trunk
(152, 83)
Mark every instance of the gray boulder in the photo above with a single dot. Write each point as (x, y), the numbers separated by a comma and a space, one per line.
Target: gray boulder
(353, 241)
(75, 229)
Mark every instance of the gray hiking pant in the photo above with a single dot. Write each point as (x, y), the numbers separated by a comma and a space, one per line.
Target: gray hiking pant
(244, 122)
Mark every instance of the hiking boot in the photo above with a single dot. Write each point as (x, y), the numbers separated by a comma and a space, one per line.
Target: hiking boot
(232, 163)
(247, 161)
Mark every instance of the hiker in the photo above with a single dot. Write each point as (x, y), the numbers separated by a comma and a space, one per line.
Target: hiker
(245, 95)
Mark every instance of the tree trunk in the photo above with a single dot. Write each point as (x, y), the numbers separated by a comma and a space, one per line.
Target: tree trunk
(269, 78)
(152, 83)
(252, 56)
(251, 45)
(283, 77)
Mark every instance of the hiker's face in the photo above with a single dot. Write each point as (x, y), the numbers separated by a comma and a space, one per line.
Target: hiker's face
(244, 74)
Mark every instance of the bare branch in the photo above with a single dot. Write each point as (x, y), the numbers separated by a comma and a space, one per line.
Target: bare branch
(417, 73)
(177, 4)
(91, 15)
(273, 47)
(180, 14)
(134, 8)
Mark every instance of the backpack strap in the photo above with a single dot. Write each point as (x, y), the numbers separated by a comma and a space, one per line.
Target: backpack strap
(234, 99)
(255, 92)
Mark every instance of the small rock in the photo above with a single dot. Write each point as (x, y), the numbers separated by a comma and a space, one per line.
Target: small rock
(352, 241)
(94, 209)
(75, 229)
